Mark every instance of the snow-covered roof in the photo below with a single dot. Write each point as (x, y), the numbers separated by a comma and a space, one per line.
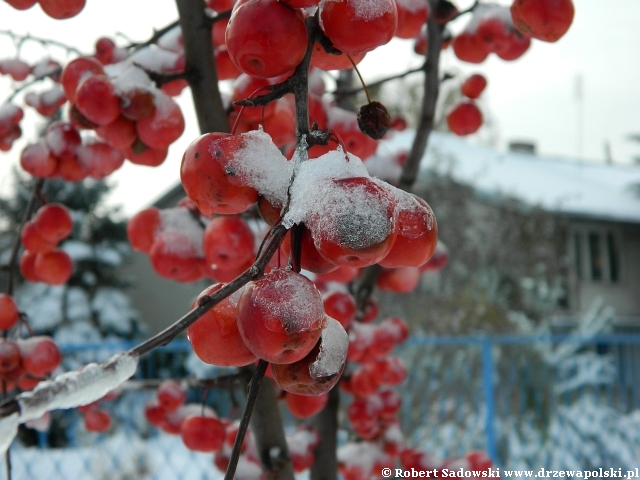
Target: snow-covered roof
(585, 189)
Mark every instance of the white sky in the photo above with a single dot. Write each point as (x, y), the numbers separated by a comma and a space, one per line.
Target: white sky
(533, 98)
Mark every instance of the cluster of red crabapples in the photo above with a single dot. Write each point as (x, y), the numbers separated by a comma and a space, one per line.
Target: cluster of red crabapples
(131, 117)
(41, 260)
(201, 430)
(115, 111)
(58, 9)
(465, 118)
(24, 362)
(10, 131)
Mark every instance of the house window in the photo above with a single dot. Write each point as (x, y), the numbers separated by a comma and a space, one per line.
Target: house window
(597, 255)
(613, 252)
(577, 248)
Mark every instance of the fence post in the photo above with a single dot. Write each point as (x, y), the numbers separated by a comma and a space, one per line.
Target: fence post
(489, 399)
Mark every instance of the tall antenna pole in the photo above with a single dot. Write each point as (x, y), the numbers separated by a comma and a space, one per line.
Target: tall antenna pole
(579, 95)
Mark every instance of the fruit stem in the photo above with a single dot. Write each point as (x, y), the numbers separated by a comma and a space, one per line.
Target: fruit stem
(296, 247)
(252, 396)
(364, 86)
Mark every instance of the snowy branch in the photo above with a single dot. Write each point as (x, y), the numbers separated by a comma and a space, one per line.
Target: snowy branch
(69, 390)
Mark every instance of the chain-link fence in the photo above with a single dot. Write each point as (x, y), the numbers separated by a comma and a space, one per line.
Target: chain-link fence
(530, 402)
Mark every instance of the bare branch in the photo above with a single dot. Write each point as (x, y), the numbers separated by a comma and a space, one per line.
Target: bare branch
(198, 51)
(468, 10)
(254, 388)
(157, 34)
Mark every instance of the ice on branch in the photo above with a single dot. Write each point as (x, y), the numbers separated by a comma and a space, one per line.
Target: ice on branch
(8, 431)
(334, 343)
(74, 389)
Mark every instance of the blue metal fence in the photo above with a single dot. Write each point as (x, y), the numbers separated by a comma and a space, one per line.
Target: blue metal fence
(529, 401)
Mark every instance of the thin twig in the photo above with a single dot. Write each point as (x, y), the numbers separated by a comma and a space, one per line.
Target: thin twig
(157, 34)
(468, 10)
(207, 302)
(31, 82)
(224, 381)
(41, 41)
(252, 396)
(377, 83)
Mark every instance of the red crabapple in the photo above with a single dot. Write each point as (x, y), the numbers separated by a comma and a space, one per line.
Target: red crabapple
(173, 255)
(281, 316)
(340, 305)
(62, 139)
(326, 61)
(207, 183)
(170, 395)
(96, 99)
(399, 280)
(143, 228)
(141, 154)
(202, 433)
(21, 4)
(412, 15)
(53, 267)
(473, 86)
(33, 241)
(469, 48)
(27, 266)
(163, 126)
(356, 27)
(75, 72)
(53, 222)
(96, 420)
(121, 133)
(266, 38)
(417, 234)
(546, 20)
(351, 236)
(464, 119)
(389, 371)
(215, 337)
(8, 312)
(321, 369)
(302, 406)
(62, 9)
(40, 356)
(9, 356)
(154, 413)
(36, 160)
(99, 159)
(228, 242)
(136, 102)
